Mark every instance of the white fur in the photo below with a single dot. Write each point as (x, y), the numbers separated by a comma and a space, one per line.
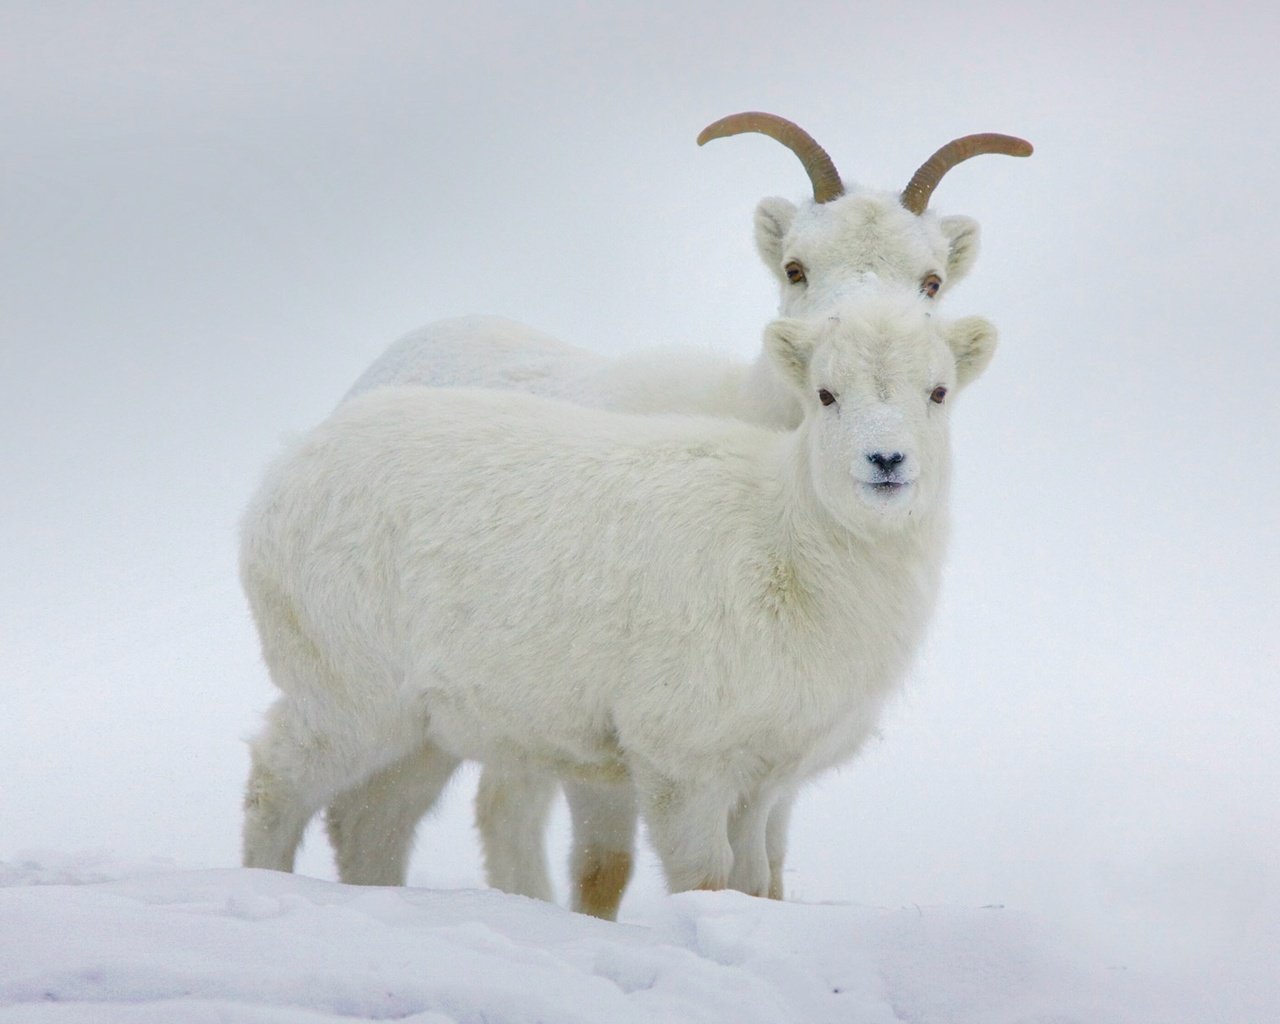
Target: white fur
(864, 233)
(865, 242)
(699, 611)
(862, 243)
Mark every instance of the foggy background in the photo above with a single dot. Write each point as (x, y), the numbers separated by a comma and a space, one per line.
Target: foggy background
(213, 217)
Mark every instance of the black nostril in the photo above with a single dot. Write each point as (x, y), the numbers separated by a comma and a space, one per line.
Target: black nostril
(885, 461)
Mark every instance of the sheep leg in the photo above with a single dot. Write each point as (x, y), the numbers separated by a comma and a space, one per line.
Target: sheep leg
(273, 821)
(775, 838)
(511, 817)
(688, 823)
(288, 778)
(747, 827)
(372, 825)
(604, 836)
(296, 767)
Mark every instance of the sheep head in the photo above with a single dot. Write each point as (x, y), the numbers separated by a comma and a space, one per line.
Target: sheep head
(875, 381)
(847, 238)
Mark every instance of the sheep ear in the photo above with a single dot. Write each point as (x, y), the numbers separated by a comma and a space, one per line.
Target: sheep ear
(973, 343)
(789, 343)
(773, 220)
(964, 238)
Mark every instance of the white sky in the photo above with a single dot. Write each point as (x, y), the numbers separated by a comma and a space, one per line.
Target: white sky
(213, 219)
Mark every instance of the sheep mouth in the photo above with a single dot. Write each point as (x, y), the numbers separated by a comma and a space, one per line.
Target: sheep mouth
(886, 493)
(886, 487)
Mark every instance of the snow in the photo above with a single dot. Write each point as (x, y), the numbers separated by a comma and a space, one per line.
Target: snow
(261, 946)
(216, 216)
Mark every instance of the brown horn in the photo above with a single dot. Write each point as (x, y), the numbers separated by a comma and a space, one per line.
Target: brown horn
(819, 167)
(915, 197)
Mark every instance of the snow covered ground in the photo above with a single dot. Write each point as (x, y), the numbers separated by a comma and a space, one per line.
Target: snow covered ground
(260, 946)
(213, 218)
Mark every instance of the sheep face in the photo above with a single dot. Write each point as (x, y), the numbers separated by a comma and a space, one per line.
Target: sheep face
(875, 381)
(821, 253)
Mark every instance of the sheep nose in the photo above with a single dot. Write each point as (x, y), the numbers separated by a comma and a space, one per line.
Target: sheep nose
(885, 461)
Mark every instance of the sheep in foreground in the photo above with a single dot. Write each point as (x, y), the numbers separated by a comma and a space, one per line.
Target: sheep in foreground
(847, 240)
(694, 613)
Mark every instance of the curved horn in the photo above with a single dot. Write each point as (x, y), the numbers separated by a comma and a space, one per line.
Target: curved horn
(915, 197)
(819, 167)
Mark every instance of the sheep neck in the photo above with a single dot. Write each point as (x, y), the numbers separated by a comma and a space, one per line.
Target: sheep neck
(901, 564)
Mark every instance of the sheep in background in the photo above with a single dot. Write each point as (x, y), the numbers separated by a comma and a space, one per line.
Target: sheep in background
(846, 241)
(695, 613)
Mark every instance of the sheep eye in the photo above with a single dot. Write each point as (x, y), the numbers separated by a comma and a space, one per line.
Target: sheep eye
(825, 396)
(939, 393)
(930, 285)
(795, 272)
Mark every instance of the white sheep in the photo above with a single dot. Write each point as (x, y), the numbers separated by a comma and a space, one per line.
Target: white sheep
(847, 240)
(693, 613)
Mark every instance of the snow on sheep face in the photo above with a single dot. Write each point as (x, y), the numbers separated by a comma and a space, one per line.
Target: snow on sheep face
(876, 379)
